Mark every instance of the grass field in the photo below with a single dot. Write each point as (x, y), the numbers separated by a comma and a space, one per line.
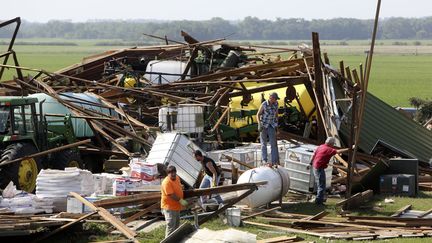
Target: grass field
(376, 207)
(398, 72)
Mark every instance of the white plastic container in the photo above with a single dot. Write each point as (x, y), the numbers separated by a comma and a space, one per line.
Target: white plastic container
(233, 216)
(190, 119)
(244, 155)
(297, 162)
(163, 117)
(176, 149)
(277, 185)
(170, 71)
(184, 119)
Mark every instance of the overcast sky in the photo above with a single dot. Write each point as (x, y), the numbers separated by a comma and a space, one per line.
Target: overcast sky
(82, 10)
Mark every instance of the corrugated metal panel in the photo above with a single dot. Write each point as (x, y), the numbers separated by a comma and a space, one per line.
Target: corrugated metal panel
(383, 122)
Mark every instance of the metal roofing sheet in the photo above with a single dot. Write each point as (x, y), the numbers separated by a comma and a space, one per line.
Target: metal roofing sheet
(383, 122)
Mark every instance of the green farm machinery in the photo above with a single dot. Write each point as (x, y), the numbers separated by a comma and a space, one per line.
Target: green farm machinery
(25, 130)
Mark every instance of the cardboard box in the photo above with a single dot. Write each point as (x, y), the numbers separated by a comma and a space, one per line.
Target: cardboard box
(144, 171)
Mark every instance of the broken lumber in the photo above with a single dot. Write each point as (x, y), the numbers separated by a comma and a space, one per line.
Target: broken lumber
(280, 239)
(262, 212)
(402, 210)
(142, 213)
(63, 227)
(108, 217)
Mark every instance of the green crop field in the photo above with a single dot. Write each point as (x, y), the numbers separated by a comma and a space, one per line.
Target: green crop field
(398, 72)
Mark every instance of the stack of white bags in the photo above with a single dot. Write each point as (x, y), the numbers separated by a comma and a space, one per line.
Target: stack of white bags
(20, 202)
(55, 185)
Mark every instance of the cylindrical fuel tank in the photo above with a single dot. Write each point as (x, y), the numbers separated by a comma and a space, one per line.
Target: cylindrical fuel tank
(277, 185)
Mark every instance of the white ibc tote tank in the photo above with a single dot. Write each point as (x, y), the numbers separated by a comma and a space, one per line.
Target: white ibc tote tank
(277, 183)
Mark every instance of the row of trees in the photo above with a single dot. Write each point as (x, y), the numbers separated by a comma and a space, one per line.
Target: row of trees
(250, 28)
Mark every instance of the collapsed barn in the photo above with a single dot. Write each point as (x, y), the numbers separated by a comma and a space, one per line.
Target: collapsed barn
(99, 113)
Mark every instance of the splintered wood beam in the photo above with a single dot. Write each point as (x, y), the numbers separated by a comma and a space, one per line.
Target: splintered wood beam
(262, 212)
(356, 78)
(326, 58)
(221, 118)
(318, 89)
(402, 210)
(342, 69)
(348, 73)
(192, 57)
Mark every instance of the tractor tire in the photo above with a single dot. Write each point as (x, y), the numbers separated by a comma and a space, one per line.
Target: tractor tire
(67, 158)
(94, 163)
(24, 173)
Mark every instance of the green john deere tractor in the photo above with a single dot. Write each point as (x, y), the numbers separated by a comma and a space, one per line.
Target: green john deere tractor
(24, 132)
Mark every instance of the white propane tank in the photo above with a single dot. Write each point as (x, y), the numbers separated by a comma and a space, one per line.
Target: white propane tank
(277, 181)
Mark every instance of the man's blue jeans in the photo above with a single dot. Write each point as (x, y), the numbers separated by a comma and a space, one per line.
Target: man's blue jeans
(269, 134)
(320, 180)
(206, 183)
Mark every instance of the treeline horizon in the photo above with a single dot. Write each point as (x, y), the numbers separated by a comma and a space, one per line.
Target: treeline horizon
(250, 28)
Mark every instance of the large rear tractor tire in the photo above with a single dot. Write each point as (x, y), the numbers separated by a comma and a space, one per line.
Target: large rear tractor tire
(67, 158)
(23, 173)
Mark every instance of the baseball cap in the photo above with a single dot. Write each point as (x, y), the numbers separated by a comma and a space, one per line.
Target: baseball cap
(275, 95)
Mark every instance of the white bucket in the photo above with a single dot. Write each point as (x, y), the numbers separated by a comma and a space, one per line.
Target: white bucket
(233, 216)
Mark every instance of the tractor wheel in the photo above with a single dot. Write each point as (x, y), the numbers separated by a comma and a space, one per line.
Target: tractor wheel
(94, 163)
(24, 173)
(67, 158)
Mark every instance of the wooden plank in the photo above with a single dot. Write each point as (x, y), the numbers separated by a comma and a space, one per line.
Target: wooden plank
(61, 228)
(321, 222)
(318, 77)
(141, 213)
(279, 239)
(83, 200)
(129, 200)
(116, 223)
(317, 216)
(108, 217)
(237, 161)
(262, 212)
(402, 210)
(425, 214)
(283, 229)
(356, 199)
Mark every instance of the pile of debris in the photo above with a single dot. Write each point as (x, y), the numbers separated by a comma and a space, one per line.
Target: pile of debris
(402, 224)
(149, 107)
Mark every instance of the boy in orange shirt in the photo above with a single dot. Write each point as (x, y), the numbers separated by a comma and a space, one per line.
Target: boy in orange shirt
(172, 200)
